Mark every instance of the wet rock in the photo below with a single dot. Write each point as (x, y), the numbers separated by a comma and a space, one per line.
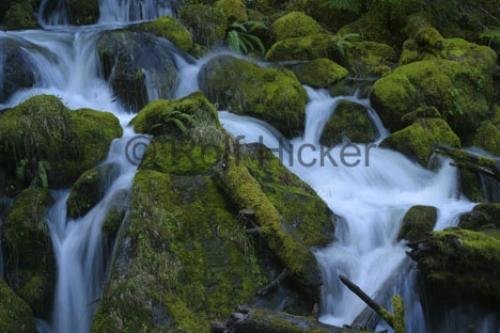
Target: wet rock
(482, 217)
(349, 121)
(310, 47)
(83, 12)
(29, 258)
(15, 314)
(418, 223)
(42, 141)
(273, 95)
(19, 15)
(295, 24)
(168, 28)
(488, 135)
(138, 66)
(320, 73)
(368, 59)
(207, 24)
(235, 10)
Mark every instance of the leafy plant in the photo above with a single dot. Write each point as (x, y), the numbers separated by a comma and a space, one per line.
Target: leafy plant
(241, 37)
(178, 119)
(345, 41)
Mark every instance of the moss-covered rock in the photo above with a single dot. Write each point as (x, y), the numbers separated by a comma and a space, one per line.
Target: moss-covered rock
(83, 12)
(482, 217)
(273, 95)
(418, 223)
(90, 188)
(295, 24)
(319, 73)
(305, 48)
(491, 38)
(419, 139)
(235, 10)
(461, 91)
(168, 28)
(29, 258)
(349, 120)
(461, 264)
(15, 314)
(134, 61)
(207, 24)
(369, 58)
(41, 138)
(20, 15)
(488, 135)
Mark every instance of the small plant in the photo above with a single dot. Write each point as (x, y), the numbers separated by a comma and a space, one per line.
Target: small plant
(241, 38)
(345, 41)
(176, 118)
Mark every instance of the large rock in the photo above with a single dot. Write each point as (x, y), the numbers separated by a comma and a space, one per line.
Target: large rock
(15, 314)
(349, 120)
(418, 223)
(483, 216)
(235, 10)
(187, 255)
(273, 95)
(419, 139)
(310, 47)
(20, 15)
(207, 24)
(461, 265)
(458, 82)
(295, 24)
(368, 59)
(488, 135)
(16, 66)
(139, 66)
(319, 73)
(83, 12)
(41, 138)
(29, 258)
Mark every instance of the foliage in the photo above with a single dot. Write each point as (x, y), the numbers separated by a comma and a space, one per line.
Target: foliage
(345, 41)
(241, 37)
(176, 118)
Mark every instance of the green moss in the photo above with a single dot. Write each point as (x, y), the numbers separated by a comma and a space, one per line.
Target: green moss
(304, 48)
(273, 95)
(83, 12)
(207, 24)
(418, 223)
(235, 10)
(462, 262)
(43, 130)
(90, 188)
(15, 314)
(349, 120)
(29, 259)
(369, 58)
(488, 135)
(323, 12)
(295, 24)
(483, 216)
(491, 38)
(320, 73)
(419, 139)
(171, 29)
(398, 307)
(20, 15)
(461, 91)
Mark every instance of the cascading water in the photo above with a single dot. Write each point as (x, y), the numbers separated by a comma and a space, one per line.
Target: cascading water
(371, 199)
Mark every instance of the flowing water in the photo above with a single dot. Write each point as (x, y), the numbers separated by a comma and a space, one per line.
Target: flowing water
(370, 198)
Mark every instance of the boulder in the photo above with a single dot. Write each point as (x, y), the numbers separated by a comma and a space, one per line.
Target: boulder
(487, 136)
(20, 15)
(418, 223)
(207, 24)
(235, 10)
(419, 139)
(310, 47)
(367, 58)
(83, 12)
(319, 73)
(29, 258)
(349, 120)
(90, 188)
(15, 314)
(168, 28)
(483, 216)
(139, 66)
(42, 140)
(295, 24)
(273, 95)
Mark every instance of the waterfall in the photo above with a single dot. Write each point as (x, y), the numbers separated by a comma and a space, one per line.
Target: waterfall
(371, 202)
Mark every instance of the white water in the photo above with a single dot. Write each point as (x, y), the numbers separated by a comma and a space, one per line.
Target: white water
(371, 202)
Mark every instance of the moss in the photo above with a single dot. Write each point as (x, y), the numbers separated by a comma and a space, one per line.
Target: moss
(20, 15)
(419, 139)
(43, 130)
(304, 48)
(235, 10)
(295, 24)
(171, 29)
(349, 120)
(83, 12)
(303, 214)
(398, 307)
(422, 112)
(369, 58)
(462, 264)
(183, 269)
(207, 24)
(15, 314)
(273, 95)
(488, 135)
(319, 73)
(483, 216)
(491, 38)
(320, 10)
(90, 188)
(418, 223)
(29, 259)
(246, 193)
(461, 91)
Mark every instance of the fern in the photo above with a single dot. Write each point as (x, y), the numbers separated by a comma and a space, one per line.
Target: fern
(345, 41)
(241, 37)
(178, 119)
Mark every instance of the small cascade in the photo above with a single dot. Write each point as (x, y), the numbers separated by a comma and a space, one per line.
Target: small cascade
(120, 11)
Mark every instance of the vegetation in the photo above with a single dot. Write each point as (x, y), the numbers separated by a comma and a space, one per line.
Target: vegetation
(241, 39)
